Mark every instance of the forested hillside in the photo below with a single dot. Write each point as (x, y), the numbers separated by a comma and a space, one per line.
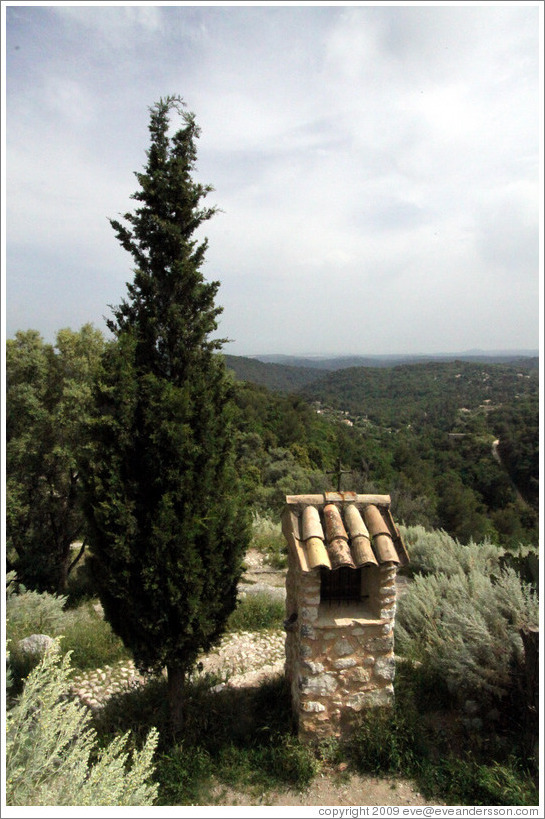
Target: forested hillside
(423, 393)
(524, 359)
(423, 433)
(455, 444)
(275, 377)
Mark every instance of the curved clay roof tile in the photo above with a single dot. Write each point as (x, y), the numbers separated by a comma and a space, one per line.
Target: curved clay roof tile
(313, 537)
(337, 539)
(312, 526)
(360, 544)
(381, 539)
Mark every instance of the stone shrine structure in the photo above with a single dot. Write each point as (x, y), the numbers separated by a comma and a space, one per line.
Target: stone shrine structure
(343, 554)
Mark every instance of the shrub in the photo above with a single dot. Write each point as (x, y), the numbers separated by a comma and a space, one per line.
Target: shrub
(257, 612)
(83, 630)
(52, 756)
(32, 612)
(465, 627)
(462, 619)
(90, 639)
(268, 539)
(437, 552)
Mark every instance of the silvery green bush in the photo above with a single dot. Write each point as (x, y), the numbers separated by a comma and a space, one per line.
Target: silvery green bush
(31, 612)
(437, 552)
(461, 619)
(52, 755)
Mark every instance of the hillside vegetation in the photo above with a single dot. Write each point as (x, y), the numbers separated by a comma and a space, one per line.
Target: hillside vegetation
(522, 359)
(456, 446)
(423, 394)
(276, 377)
(423, 433)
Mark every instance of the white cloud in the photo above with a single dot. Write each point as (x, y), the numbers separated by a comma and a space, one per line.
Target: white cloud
(116, 26)
(371, 161)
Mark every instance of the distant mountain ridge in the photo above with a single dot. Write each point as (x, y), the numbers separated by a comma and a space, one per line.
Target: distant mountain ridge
(293, 378)
(276, 377)
(393, 360)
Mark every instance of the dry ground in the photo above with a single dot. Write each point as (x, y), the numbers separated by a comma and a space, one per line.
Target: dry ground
(332, 789)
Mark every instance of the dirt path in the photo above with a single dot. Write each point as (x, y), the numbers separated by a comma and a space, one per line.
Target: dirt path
(331, 788)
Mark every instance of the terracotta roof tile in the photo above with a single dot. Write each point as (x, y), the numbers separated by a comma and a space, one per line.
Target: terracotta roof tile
(342, 529)
(338, 549)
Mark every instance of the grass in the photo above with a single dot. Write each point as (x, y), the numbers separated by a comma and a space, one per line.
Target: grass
(246, 740)
(257, 612)
(268, 539)
(83, 630)
(234, 738)
(90, 639)
(453, 765)
(466, 781)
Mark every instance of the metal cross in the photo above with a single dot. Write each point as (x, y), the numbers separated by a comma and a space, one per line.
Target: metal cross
(339, 472)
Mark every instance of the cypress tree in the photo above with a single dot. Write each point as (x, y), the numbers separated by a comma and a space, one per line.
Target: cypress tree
(168, 527)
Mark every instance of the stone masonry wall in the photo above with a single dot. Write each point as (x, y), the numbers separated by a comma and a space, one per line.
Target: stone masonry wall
(338, 666)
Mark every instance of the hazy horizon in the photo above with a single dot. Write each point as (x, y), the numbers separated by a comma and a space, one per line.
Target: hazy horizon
(530, 353)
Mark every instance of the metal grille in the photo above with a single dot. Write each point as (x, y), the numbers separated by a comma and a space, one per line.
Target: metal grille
(340, 586)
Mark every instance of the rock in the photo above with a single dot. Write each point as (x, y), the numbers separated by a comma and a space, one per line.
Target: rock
(36, 645)
(342, 648)
(385, 668)
(345, 662)
(319, 686)
(380, 644)
(358, 675)
(313, 707)
(313, 668)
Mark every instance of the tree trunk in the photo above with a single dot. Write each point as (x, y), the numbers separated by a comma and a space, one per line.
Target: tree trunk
(176, 678)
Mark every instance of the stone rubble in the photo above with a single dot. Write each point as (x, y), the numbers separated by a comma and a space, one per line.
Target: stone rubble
(242, 658)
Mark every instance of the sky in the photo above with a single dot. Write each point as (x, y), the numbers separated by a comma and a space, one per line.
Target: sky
(378, 168)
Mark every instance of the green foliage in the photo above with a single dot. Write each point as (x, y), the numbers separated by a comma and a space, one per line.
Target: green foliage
(517, 426)
(437, 552)
(462, 619)
(52, 756)
(47, 403)
(466, 781)
(279, 761)
(184, 774)
(388, 740)
(84, 632)
(238, 737)
(257, 612)
(422, 433)
(409, 740)
(267, 538)
(168, 525)
(275, 377)
(31, 612)
(90, 639)
(418, 394)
